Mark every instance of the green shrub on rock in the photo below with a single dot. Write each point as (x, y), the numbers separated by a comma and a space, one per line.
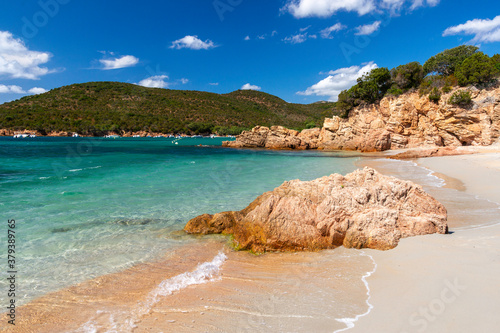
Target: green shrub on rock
(460, 98)
(435, 95)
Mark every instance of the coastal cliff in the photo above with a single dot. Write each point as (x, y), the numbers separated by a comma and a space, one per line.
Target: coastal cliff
(407, 121)
(363, 209)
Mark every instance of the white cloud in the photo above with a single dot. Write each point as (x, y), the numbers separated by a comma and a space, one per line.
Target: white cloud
(18, 90)
(421, 3)
(121, 62)
(300, 37)
(214, 83)
(483, 30)
(326, 8)
(368, 29)
(327, 32)
(193, 43)
(338, 80)
(296, 39)
(249, 86)
(37, 91)
(184, 81)
(157, 81)
(18, 62)
(247, 38)
(11, 89)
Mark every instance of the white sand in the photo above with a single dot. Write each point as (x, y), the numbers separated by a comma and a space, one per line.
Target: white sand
(442, 283)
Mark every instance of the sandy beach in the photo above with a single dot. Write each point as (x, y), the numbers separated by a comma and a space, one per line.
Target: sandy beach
(442, 283)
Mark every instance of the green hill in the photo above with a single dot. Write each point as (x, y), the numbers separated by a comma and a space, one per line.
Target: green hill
(96, 108)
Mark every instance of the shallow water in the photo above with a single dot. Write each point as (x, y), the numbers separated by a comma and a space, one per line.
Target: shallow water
(88, 207)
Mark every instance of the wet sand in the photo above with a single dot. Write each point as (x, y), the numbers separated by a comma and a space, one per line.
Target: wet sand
(443, 283)
(275, 292)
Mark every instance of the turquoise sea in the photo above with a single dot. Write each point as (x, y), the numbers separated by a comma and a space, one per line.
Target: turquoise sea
(85, 207)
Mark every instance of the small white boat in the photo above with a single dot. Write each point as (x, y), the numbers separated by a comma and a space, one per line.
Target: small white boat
(21, 136)
(75, 135)
(136, 136)
(112, 136)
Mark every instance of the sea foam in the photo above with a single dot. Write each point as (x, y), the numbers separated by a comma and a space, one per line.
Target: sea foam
(350, 321)
(204, 273)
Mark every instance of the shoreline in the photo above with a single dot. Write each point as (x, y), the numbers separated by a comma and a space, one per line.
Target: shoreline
(449, 283)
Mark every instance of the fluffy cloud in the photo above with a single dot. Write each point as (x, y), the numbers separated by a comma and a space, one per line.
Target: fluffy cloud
(18, 62)
(327, 33)
(11, 89)
(483, 30)
(327, 8)
(247, 38)
(37, 91)
(18, 90)
(249, 86)
(368, 29)
(157, 81)
(338, 80)
(193, 43)
(121, 62)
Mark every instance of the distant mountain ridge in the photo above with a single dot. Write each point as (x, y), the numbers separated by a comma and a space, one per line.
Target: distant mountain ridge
(98, 108)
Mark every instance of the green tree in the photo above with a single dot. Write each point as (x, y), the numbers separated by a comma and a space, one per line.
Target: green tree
(496, 60)
(372, 86)
(407, 76)
(477, 69)
(447, 61)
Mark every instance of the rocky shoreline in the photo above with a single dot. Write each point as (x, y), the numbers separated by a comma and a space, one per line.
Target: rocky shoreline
(142, 134)
(407, 121)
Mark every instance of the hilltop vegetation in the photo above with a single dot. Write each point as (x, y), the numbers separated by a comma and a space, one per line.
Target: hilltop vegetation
(97, 108)
(463, 65)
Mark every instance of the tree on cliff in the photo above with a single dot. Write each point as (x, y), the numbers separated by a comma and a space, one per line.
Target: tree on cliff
(446, 62)
(370, 88)
(477, 69)
(496, 60)
(407, 76)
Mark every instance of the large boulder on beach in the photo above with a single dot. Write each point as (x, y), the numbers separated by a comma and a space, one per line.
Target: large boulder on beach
(363, 209)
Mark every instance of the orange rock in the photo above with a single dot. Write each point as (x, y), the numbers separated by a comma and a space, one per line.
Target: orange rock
(364, 209)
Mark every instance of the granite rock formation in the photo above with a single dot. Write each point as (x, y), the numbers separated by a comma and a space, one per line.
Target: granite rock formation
(407, 121)
(364, 209)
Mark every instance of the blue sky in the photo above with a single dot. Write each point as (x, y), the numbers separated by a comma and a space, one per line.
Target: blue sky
(300, 50)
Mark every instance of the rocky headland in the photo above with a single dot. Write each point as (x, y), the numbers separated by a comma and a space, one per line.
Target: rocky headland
(407, 121)
(363, 209)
